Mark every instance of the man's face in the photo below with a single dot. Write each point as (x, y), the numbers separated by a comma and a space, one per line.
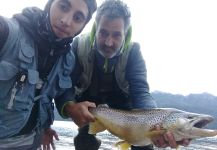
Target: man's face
(109, 36)
(68, 17)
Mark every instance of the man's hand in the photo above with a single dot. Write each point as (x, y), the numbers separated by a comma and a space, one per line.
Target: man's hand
(79, 112)
(168, 140)
(47, 142)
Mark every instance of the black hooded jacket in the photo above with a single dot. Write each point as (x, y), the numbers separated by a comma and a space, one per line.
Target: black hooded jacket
(36, 23)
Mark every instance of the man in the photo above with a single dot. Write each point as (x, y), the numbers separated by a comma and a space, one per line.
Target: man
(109, 69)
(36, 62)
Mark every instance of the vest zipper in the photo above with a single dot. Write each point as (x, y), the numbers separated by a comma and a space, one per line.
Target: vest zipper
(13, 94)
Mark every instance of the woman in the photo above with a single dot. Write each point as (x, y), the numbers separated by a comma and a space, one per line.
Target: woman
(35, 62)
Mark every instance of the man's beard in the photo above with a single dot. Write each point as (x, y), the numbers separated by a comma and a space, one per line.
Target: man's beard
(104, 54)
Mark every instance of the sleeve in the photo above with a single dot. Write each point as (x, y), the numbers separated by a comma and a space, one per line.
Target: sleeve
(136, 75)
(69, 94)
(4, 31)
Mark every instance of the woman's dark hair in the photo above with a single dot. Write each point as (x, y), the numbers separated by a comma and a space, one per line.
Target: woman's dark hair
(91, 4)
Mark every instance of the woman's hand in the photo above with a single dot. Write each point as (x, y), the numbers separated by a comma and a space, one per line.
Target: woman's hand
(47, 141)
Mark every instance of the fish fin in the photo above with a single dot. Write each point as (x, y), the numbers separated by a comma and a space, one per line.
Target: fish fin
(95, 127)
(172, 128)
(122, 145)
(155, 133)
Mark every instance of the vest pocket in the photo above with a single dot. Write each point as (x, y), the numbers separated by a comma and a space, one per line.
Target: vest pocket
(25, 97)
(26, 53)
(64, 74)
(65, 81)
(8, 70)
(8, 74)
(33, 76)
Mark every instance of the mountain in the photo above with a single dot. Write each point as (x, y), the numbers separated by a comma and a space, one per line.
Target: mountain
(204, 103)
(198, 103)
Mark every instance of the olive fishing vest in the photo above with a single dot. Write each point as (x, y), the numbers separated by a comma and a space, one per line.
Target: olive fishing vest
(85, 54)
(18, 80)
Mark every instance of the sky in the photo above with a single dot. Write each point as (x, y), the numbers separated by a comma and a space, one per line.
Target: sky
(178, 40)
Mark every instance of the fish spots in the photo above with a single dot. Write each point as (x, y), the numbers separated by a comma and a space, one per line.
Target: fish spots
(172, 119)
(136, 126)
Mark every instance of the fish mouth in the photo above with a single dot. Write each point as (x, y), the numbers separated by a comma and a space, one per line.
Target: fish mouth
(198, 130)
(202, 122)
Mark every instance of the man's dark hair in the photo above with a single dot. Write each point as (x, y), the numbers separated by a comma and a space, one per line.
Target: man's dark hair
(114, 9)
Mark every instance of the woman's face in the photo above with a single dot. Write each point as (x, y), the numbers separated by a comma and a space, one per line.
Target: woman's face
(68, 17)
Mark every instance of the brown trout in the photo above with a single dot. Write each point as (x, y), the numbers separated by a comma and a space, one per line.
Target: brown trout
(135, 127)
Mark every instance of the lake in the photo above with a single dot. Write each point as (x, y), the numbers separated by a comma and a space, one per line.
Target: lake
(67, 130)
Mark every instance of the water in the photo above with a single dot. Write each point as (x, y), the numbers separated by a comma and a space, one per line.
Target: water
(67, 130)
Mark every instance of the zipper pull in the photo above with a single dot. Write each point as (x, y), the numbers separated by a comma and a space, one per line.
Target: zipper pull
(21, 82)
(13, 94)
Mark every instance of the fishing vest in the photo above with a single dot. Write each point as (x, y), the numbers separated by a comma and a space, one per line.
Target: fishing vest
(85, 54)
(58, 81)
(18, 80)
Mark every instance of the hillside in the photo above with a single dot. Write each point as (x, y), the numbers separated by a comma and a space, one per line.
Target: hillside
(198, 103)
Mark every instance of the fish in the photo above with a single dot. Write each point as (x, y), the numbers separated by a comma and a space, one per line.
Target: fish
(136, 127)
